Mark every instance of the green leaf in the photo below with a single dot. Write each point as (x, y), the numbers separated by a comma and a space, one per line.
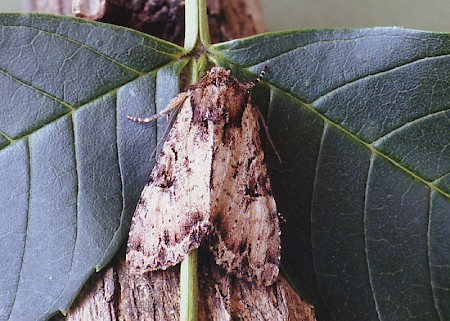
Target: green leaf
(71, 165)
(361, 119)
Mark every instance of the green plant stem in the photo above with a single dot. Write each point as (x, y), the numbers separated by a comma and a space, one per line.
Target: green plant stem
(189, 288)
(188, 269)
(205, 37)
(191, 8)
(197, 36)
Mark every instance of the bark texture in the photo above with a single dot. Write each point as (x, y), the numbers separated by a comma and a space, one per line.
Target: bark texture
(117, 294)
(228, 19)
(62, 7)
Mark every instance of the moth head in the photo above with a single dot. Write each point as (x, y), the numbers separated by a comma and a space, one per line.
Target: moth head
(219, 96)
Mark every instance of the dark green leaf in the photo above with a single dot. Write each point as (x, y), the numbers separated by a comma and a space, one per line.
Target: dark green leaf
(361, 119)
(71, 165)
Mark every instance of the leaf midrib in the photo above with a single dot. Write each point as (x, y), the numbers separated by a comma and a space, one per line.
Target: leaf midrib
(70, 107)
(82, 45)
(19, 276)
(369, 146)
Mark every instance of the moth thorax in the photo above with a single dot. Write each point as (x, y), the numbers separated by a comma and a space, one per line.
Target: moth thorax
(233, 102)
(219, 103)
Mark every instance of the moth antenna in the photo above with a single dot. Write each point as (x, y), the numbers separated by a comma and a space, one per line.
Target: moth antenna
(258, 79)
(147, 120)
(266, 129)
(281, 217)
(175, 103)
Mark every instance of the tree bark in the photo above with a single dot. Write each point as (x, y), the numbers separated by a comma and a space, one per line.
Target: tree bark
(115, 293)
(61, 7)
(228, 19)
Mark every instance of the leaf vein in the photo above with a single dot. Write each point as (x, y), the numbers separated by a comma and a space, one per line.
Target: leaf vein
(375, 74)
(112, 90)
(433, 289)
(409, 123)
(366, 195)
(82, 45)
(372, 148)
(40, 91)
(19, 277)
(5, 136)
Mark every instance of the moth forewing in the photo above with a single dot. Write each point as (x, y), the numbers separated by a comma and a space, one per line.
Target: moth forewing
(246, 234)
(210, 178)
(172, 215)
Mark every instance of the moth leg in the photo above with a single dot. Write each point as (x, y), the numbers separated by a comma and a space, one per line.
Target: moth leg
(175, 103)
(266, 129)
(250, 85)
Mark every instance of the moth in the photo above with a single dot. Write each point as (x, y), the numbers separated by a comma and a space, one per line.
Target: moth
(210, 184)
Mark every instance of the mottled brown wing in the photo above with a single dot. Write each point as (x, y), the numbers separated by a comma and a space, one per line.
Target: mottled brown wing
(173, 213)
(245, 237)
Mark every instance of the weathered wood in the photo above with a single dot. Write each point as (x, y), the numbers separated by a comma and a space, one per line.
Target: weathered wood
(224, 297)
(62, 7)
(115, 294)
(228, 19)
